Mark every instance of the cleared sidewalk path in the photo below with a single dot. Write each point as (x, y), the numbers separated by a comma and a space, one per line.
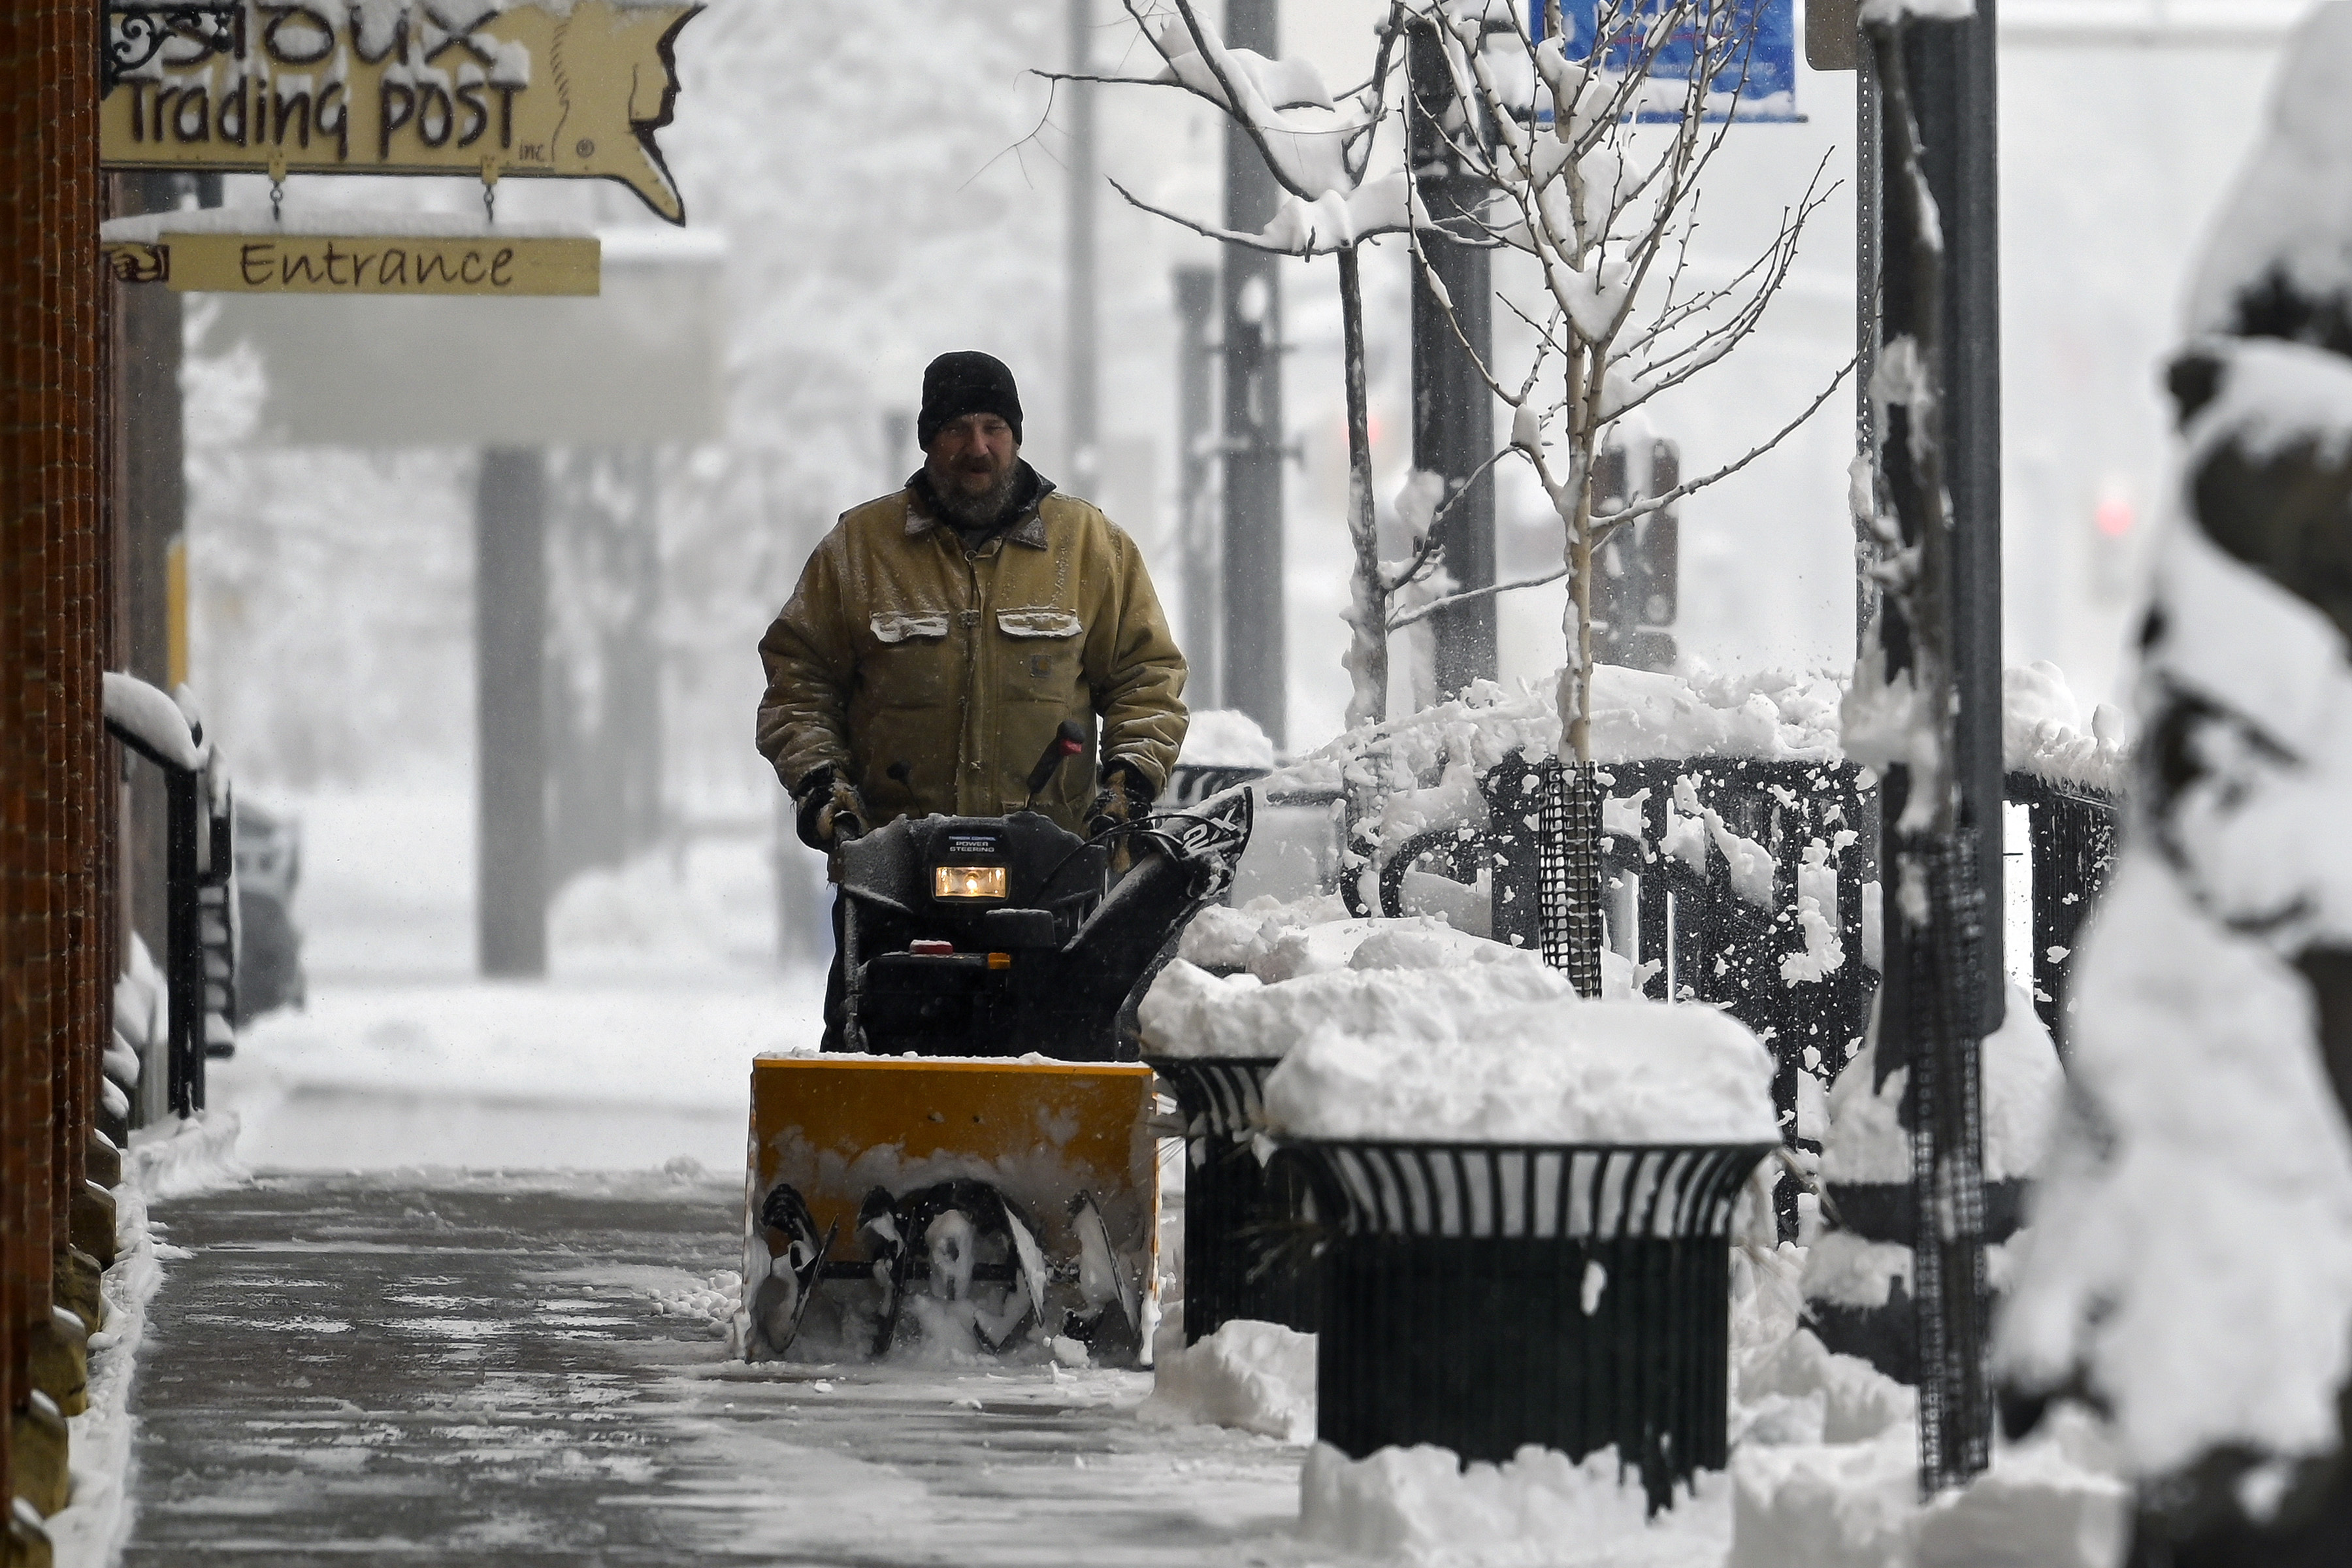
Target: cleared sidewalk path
(461, 1370)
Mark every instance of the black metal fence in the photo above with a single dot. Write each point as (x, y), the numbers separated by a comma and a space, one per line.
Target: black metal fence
(1745, 883)
(2074, 837)
(1708, 864)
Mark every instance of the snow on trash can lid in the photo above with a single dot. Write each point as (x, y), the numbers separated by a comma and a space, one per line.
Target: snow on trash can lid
(1190, 1013)
(1369, 976)
(1557, 1071)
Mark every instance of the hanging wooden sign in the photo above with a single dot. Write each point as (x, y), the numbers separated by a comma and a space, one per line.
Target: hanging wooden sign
(257, 256)
(564, 89)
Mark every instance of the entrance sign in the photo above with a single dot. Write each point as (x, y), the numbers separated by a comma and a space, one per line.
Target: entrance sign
(1756, 39)
(567, 89)
(641, 365)
(256, 256)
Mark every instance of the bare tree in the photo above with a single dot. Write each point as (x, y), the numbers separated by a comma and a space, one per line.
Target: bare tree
(1596, 164)
(1318, 147)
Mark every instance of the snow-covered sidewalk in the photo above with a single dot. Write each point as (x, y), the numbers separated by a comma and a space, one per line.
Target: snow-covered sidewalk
(532, 1371)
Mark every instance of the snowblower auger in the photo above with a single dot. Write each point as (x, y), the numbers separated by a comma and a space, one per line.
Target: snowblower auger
(952, 1184)
(993, 1203)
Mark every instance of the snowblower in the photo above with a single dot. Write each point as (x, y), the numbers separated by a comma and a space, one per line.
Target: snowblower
(976, 1172)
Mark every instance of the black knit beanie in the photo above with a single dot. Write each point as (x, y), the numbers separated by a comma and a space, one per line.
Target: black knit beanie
(966, 382)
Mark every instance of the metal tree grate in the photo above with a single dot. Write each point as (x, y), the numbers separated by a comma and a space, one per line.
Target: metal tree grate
(1943, 968)
(1568, 867)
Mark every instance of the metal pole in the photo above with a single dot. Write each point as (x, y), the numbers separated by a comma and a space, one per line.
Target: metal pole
(1085, 445)
(1956, 84)
(1868, 177)
(1452, 410)
(1943, 985)
(1196, 318)
(183, 959)
(1251, 303)
(510, 730)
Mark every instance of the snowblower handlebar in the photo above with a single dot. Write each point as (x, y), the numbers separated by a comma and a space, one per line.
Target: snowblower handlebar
(1068, 742)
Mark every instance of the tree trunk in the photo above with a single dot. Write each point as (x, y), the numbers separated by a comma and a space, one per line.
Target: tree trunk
(1368, 649)
(1575, 622)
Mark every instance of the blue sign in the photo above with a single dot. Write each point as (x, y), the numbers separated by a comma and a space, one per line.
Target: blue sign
(1756, 40)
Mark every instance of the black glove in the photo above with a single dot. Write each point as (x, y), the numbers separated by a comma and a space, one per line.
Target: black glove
(1125, 797)
(824, 805)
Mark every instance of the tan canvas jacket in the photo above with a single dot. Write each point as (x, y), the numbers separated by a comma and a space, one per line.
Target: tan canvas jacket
(935, 678)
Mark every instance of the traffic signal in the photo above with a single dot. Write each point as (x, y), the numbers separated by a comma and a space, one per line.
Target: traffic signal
(1638, 568)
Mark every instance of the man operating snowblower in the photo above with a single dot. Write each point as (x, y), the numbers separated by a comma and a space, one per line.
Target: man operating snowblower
(942, 636)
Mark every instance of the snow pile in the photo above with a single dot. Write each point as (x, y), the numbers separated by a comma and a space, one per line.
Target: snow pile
(1258, 1377)
(2191, 1252)
(1845, 1399)
(1638, 715)
(1539, 1509)
(1374, 976)
(2023, 1088)
(90, 1531)
(1559, 1071)
(1476, 730)
(1325, 949)
(1220, 937)
(711, 1300)
(1191, 1013)
(181, 1157)
(2053, 1502)
(2041, 730)
(1825, 1474)
(1225, 738)
(1414, 941)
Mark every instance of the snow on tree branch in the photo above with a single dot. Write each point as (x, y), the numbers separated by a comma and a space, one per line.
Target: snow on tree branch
(1317, 147)
(1595, 166)
(1325, 226)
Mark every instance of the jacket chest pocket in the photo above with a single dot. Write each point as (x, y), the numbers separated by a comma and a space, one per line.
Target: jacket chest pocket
(1038, 651)
(912, 661)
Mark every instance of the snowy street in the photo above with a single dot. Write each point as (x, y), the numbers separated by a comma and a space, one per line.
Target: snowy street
(359, 1371)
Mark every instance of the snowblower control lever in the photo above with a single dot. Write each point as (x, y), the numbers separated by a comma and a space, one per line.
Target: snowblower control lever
(1067, 742)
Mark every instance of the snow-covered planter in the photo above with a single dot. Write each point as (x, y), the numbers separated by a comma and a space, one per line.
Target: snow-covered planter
(1214, 1037)
(1526, 1218)
(1236, 1212)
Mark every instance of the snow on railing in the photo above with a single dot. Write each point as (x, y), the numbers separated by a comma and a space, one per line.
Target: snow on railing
(146, 717)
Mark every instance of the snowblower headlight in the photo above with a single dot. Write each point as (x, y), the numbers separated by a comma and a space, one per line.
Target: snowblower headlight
(968, 881)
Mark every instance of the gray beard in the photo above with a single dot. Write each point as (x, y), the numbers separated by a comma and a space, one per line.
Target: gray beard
(962, 510)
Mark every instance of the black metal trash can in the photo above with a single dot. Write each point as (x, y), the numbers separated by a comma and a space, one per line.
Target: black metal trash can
(1482, 1296)
(1247, 1228)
